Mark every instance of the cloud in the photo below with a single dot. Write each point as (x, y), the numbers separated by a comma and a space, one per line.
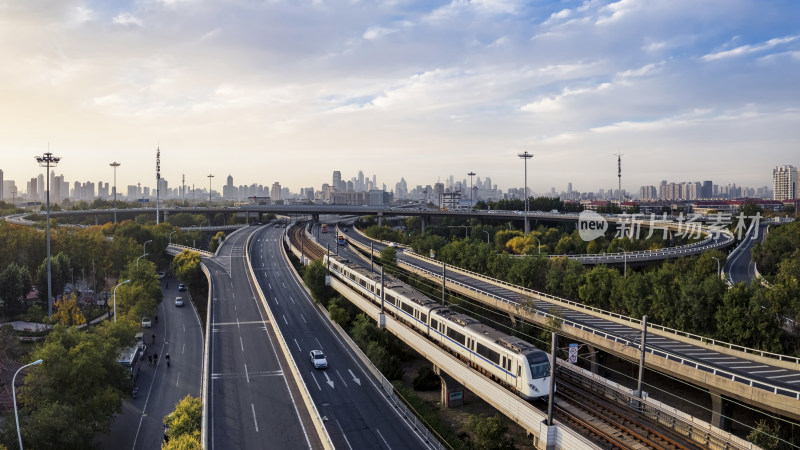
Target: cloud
(558, 102)
(748, 49)
(126, 19)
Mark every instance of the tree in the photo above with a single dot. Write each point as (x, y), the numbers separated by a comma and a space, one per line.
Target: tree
(765, 435)
(187, 267)
(185, 420)
(67, 312)
(15, 283)
(389, 257)
(60, 271)
(489, 432)
(216, 241)
(314, 278)
(75, 392)
(338, 313)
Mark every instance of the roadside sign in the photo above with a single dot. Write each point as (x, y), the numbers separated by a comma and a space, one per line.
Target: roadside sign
(573, 353)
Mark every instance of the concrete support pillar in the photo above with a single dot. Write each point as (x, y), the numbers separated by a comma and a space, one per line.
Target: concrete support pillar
(452, 390)
(720, 411)
(592, 357)
(96, 220)
(315, 217)
(547, 436)
(380, 219)
(424, 222)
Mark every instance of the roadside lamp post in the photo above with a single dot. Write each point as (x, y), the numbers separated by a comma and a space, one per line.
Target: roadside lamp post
(466, 231)
(487, 236)
(115, 165)
(718, 267)
(48, 161)
(525, 157)
(170, 236)
(14, 394)
(210, 176)
(137, 259)
(624, 262)
(538, 245)
(115, 298)
(144, 247)
(471, 193)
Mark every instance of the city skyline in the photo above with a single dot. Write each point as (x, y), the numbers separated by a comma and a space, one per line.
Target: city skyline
(686, 91)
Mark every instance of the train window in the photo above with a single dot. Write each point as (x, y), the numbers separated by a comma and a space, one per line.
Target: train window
(390, 299)
(362, 283)
(487, 353)
(423, 317)
(519, 371)
(407, 308)
(434, 324)
(540, 365)
(504, 362)
(456, 336)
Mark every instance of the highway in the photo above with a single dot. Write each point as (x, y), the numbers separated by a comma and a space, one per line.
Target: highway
(356, 413)
(253, 401)
(740, 266)
(178, 332)
(686, 353)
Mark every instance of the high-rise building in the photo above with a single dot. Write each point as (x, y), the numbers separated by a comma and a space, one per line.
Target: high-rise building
(784, 183)
(275, 194)
(229, 191)
(32, 190)
(647, 193)
(337, 177)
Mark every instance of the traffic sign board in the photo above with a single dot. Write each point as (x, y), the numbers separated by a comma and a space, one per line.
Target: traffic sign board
(573, 353)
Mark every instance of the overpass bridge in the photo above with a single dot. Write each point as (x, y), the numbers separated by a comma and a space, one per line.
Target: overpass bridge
(716, 238)
(762, 379)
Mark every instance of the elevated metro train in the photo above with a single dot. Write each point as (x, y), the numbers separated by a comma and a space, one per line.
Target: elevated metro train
(515, 364)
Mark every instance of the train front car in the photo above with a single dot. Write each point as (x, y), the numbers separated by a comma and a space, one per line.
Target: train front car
(535, 379)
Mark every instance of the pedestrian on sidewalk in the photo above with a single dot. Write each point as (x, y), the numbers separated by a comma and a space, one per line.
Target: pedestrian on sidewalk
(150, 359)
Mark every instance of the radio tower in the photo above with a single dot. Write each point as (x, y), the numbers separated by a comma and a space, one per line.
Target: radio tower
(619, 177)
(158, 180)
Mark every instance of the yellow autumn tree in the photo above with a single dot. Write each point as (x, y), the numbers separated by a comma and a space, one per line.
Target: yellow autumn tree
(67, 312)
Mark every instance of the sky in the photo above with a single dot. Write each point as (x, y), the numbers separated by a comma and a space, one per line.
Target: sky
(289, 91)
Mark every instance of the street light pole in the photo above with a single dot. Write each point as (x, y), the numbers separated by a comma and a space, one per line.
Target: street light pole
(115, 165)
(718, 267)
(526, 156)
(170, 236)
(48, 161)
(471, 199)
(487, 236)
(538, 245)
(144, 247)
(624, 262)
(115, 296)
(14, 394)
(137, 259)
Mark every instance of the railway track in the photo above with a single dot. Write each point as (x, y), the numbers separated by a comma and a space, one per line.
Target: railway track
(608, 424)
(611, 423)
(310, 248)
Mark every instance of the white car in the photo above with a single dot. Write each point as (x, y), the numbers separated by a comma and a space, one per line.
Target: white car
(178, 301)
(147, 322)
(318, 359)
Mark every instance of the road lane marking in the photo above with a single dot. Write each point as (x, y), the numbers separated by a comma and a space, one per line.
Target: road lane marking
(241, 342)
(178, 380)
(384, 440)
(304, 319)
(298, 345)
(246, 374)
(284, 319)
(340, 377)
(343, 435)
(290, 298)
(183, 349)
(358, 382)
(320, 344)
(248, 322)
(315, 381)
(330, 382)
(254, 416)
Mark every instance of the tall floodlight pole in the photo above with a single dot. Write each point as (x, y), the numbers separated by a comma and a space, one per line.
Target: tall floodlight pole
(183, 188)
(210, 176)
(14, 394)
(48, 160)
(526, 156)
(619, 178)
(471, 199)
(115, 165)
(158, 181)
